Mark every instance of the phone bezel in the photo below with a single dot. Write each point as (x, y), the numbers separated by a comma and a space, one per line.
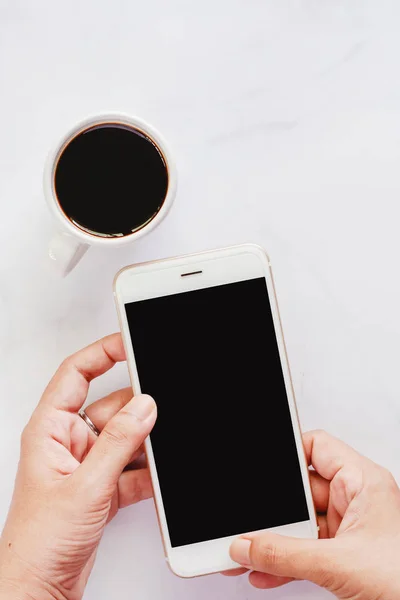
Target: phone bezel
(164, 277)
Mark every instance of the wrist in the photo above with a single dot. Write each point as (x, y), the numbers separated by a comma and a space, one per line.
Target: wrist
(18, 581)
(25, 588)
(17, 590)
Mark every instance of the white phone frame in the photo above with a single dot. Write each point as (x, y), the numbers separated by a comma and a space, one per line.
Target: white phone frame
(163, 278)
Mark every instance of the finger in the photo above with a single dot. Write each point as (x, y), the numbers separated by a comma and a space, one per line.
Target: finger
(320, 492)
(234, 572)
(118, 441)
(114, 506)
(133, 487)
(69, 386)
(334, 520)
(101, 411)
(284, 556)
(323, 527)
(263, 581)
(138, 460)
(327, 454)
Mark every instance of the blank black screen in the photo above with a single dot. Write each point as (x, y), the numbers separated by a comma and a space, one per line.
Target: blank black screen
(223, 443)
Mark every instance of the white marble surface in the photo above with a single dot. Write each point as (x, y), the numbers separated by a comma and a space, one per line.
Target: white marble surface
(285, 121)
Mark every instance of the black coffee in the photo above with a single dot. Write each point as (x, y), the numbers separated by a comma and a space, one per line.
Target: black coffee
(111, 180)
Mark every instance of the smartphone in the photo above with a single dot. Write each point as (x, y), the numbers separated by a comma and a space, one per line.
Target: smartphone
(203, 337)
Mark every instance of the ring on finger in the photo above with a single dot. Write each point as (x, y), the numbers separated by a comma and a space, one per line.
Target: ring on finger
(89, 422)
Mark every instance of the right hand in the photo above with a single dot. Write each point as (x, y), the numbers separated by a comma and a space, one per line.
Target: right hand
(358, 505)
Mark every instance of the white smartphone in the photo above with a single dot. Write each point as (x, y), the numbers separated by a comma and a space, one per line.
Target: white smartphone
(203, 337)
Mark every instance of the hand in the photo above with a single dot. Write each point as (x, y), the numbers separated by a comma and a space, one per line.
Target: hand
(358, 556)
(69, 482)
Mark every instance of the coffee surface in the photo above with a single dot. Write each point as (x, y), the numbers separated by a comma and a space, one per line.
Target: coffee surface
(111, 180)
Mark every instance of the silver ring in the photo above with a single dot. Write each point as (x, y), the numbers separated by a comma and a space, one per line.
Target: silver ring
(89, 422)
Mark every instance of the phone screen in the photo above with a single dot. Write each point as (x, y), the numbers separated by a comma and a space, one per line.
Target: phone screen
(223, 443)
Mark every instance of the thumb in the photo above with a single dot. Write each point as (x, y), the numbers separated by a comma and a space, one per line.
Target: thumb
(285, 556)
(118, 441)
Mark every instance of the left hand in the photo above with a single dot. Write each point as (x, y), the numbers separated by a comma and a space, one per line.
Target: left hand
(71, 483)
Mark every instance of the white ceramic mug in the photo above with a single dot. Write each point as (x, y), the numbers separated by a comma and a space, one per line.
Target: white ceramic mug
(71, 242)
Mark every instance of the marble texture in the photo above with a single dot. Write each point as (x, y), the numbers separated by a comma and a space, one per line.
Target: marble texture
(284, 118)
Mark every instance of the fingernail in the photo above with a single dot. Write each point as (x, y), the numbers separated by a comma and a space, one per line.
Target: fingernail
(142, 407)
(240, 552)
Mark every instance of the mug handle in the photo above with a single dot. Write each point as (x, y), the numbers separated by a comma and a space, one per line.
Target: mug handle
(66, 252)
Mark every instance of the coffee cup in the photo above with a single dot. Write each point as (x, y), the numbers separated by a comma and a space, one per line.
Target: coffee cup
(109, 181)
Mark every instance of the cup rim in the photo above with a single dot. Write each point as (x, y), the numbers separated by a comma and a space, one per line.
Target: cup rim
(49, 169)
